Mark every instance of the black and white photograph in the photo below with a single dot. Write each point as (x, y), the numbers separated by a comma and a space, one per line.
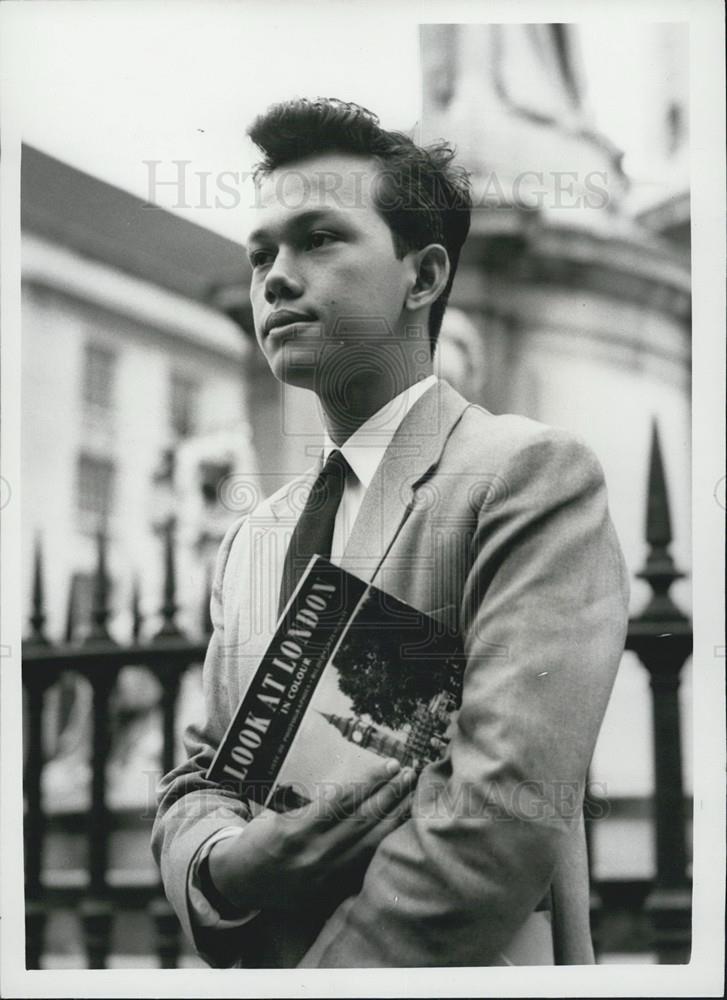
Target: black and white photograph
(362, 442)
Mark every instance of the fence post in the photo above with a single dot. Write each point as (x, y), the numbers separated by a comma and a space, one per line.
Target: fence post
(160, 912)
(35, 820)
(169, 607)
(96, 909)
(661, 636)
(206, 615)
(37, 617)
(137, 618)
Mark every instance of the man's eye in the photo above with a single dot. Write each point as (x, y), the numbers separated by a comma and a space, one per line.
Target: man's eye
(259, 258)
(318, 239)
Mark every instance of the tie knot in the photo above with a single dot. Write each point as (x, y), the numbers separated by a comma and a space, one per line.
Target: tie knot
(335, 465)
(330, 483)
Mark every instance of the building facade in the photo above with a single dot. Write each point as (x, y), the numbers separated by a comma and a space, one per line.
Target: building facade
(133, 395)
(572, 305)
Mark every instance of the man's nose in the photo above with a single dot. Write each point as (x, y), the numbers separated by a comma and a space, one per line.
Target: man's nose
(282, 280)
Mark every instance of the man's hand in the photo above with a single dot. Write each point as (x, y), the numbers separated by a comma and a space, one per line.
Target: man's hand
(283, 858)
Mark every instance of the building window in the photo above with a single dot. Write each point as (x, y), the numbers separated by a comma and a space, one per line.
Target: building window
(95, 491)
(184, 404)
(211, 474)
(98, 381)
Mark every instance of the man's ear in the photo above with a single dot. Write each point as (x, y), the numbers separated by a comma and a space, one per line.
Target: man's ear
(431, 268)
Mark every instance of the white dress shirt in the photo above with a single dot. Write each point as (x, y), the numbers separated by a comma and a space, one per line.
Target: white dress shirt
(363, 451)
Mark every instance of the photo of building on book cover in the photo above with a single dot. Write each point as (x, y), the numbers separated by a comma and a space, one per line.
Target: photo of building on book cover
(351, 672)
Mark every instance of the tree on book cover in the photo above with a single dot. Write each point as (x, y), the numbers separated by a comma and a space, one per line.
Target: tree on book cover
(350, 671)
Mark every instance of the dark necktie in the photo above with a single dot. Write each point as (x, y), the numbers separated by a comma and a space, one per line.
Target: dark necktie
(313, 534)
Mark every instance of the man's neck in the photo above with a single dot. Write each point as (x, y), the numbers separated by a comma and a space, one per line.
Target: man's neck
(344, 413)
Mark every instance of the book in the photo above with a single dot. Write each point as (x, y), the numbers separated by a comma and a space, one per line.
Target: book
(351, 671)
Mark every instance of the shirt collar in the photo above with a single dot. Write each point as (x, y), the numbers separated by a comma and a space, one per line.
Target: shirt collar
(365, 448)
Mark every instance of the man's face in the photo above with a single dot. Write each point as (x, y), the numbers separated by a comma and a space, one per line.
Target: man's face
(327, 289)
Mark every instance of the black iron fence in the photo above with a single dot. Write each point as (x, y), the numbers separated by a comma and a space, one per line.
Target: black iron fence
(655, 914)
(99, 659)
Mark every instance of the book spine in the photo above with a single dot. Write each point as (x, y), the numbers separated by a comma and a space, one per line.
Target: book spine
(264, 726)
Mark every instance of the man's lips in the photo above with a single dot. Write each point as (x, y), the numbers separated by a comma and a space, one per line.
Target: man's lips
(284, 317)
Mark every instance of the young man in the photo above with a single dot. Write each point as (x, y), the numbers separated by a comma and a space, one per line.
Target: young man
(494, 523)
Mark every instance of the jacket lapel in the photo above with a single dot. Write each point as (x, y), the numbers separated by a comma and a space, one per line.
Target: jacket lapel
(412, 455)
(289, 505)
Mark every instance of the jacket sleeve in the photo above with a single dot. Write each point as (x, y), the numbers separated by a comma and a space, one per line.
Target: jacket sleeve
(190, 808)
(543, 615)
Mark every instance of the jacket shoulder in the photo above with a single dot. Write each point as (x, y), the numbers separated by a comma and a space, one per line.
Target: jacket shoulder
(502, 437)
(265, 507)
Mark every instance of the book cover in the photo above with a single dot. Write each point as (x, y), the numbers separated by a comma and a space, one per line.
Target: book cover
(351, 671)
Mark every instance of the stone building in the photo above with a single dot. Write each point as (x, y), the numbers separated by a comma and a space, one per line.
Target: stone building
(134, 414)
(133, 395)
(572, 301)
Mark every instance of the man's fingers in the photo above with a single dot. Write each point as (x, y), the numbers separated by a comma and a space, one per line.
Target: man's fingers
(399, 812)
(373, 810)
(342, 802)
(378, 805)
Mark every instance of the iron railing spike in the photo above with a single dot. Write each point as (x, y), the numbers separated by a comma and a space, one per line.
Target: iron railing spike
(169, 628)
(38, 615)
(207, 626)
(100, 607)
(137, 618)
(658, 515)
(70, 629)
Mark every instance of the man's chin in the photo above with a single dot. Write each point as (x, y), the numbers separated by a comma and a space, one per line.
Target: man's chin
(308, 366)
(291, 370)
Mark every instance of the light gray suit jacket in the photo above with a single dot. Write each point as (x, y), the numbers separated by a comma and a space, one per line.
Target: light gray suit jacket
(501, 525)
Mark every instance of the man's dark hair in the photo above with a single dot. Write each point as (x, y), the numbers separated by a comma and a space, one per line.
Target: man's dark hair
(423, 197)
